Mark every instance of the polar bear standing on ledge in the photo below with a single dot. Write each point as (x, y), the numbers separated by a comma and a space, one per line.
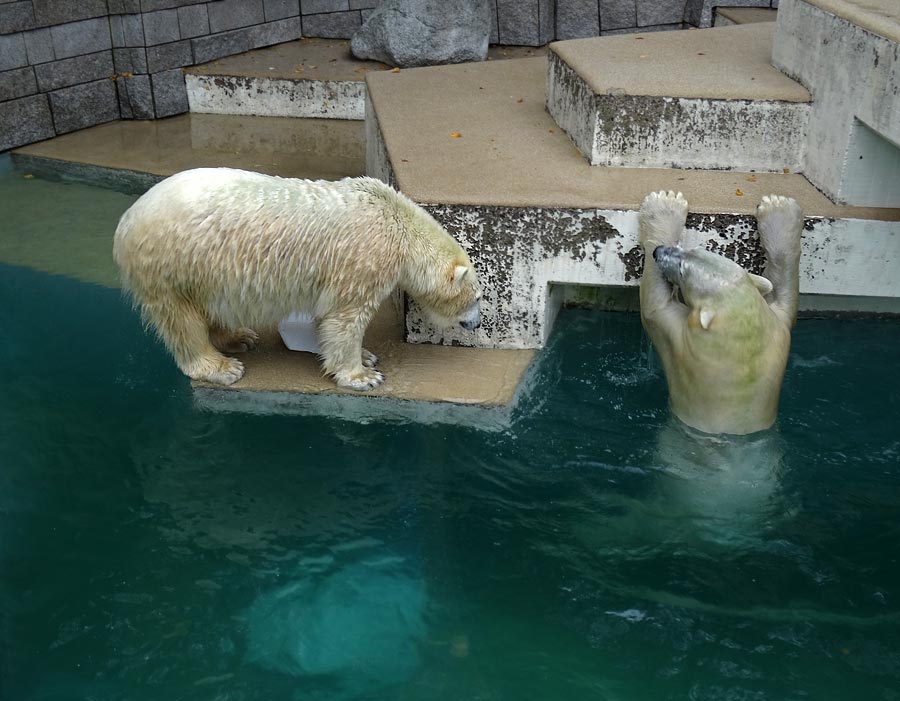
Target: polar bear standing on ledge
(210, 253)
(725, 348)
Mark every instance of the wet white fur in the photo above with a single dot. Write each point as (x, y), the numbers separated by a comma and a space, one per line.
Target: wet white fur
(210, 253)
(725, 346)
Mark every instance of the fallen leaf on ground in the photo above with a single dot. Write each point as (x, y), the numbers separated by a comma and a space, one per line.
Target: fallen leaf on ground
(738, 193)
(455, 134)
(395, 70)
(751, 178)
(786, 170)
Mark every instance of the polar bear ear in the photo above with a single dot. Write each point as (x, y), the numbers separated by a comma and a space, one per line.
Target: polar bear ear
(761, 283)
(706, 317)
(459, 272)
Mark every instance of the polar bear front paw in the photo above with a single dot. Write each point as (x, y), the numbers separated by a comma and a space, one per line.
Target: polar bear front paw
(219, 371)
(360, 381)
(369, 359)
(780, 223)
(662, 217)
(238, 341)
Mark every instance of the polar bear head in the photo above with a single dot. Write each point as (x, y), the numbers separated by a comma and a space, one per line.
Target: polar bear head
(709, 283)
(456, 296)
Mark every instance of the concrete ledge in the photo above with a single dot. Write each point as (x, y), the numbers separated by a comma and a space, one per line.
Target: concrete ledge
(539, 218)
(699, 99)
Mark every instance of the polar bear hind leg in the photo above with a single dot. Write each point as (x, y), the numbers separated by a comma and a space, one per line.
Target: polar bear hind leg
(186, 333)
(233, 341)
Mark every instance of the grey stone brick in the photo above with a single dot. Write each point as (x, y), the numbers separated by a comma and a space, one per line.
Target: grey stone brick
(281, 9)
(53, 12)
(161, 27)
(275, 32)
(315, 7)
(617, 14)
(72, 71)
(84, 105)
(153, 5)
(39, 46)
(165, 57)
(193, 21)
(123, 7)
(577, 18)
(12, 51)
(133, 28)
(116, 30)
(130, 60)
(364, 4)
(83, 37)
(16, 17)
(332, 25)
(169, 93)
(24, 121)
(16, 83)
(234, 14)
(654, 12)
(525, 22)
(215, 46)
(495, 28)
(135, 97)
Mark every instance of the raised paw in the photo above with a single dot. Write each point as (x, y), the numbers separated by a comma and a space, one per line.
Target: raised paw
(238, 341)
(369, 359)
(360, 381)
(219, 371)
(662, 217)
(780, 222)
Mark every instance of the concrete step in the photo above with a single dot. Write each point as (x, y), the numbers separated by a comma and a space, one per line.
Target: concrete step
(854, 124)
(727, 16)
(705, 98)
(483, 155)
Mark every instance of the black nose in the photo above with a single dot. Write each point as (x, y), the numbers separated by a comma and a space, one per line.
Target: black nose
(656, 253)
(470, 326)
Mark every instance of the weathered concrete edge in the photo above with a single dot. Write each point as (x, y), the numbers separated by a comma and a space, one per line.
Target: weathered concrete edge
(369, 408)
(526, 256)
(276, 97)
(623, 130)
(129, 182)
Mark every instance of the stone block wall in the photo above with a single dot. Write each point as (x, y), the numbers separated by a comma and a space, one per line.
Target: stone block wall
(70, 64)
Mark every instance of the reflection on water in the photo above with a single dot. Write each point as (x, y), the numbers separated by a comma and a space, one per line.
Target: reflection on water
(595, 549)
(363, 622)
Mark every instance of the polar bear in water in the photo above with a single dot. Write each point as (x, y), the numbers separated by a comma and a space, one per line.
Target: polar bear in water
(724, 348)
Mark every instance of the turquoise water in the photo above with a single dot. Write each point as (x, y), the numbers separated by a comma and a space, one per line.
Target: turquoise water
(592, 550)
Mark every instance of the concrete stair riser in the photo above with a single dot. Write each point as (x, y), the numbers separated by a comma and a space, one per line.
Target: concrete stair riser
(272, 97)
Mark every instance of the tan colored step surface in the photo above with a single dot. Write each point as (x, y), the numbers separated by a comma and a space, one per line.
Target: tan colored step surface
(485, 377)
(320, 148)
(721, 63)
(510, 151)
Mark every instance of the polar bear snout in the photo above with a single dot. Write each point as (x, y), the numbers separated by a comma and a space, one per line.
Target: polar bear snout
(669, 259)
(471, 319)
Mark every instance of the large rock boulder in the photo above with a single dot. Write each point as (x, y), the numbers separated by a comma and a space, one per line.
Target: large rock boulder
(409, 33)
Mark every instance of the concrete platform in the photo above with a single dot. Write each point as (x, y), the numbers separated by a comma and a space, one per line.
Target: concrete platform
(309, 78)
(479, 150)
(461, 385)
(707, 98)
(130, 156)
(426, 383)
